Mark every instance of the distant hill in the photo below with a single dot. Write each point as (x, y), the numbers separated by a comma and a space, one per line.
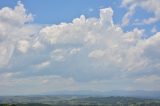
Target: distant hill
(137, 93)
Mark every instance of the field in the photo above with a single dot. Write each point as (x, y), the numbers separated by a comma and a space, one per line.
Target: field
(76, 101)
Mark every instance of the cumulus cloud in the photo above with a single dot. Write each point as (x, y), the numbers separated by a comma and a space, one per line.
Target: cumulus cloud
(103, 39)
(16, 16)
(58, 55)
(5, 53)
(23, 46)
(42, 65)
(95, 48)
(75, 51)
(97, 54)
(149, 5)
(128, 15)
(15, 31)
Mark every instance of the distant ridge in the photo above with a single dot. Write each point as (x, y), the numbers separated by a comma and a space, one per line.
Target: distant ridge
(136, 93)
(116, 93)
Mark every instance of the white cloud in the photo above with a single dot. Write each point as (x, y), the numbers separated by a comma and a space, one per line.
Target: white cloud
(74, 51)
(149, 5)
(44, 84)
(75, 32)
(58, 55)
(90, 39)
(16, 16)
(148, 79)
(151, 48)
(114, 52)
(106, 16)
(6, 75)
(42, 65)
(154, 30)
(149, 82)
(45, 81)
(150, 20)
(15, 31)
(102, 40)
(23, 46)
(6, 51)
(38, 45)
(97, 54)
(128, 15)
(6, 78)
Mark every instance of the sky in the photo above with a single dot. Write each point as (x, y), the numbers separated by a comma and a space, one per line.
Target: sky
(54, 46)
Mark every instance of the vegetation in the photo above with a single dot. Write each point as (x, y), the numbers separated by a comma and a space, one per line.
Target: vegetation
(86, 101)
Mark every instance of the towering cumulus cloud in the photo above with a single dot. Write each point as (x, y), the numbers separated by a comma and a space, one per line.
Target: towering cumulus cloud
(14, 31)
(85, 54)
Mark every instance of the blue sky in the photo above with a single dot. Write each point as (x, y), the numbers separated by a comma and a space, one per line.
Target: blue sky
(92, 45)
(58, 10)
